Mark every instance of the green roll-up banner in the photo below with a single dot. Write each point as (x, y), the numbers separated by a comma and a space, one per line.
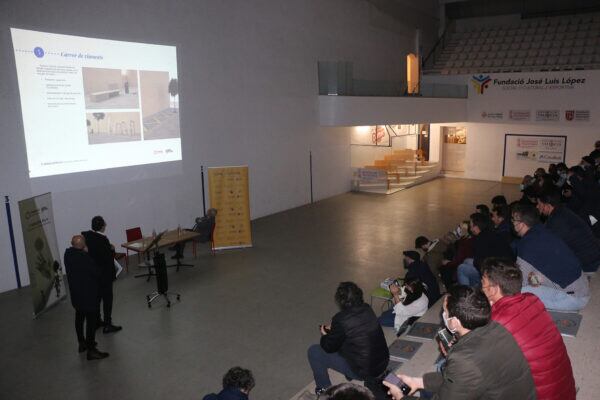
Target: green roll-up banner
(41, 249)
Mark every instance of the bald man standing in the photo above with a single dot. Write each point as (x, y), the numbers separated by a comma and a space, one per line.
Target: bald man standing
(83, 276)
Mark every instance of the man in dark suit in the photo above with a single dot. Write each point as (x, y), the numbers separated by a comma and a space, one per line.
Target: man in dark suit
(83, 277)
(103, 253)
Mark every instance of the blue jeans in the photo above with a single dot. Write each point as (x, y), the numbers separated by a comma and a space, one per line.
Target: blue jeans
(320, 361)
(467, 274)
(557, 300)
(387, 318)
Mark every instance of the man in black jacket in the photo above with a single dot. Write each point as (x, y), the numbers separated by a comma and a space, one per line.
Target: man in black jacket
(353, 344)
(417, 269)
(84, 282)
(103, 253)
(487, 243)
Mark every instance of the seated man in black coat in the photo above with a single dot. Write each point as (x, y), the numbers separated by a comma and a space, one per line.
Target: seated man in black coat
(419, 270)
(103, 253)
(204, 226)
(487, 243)
(84, 283)
(353, 344)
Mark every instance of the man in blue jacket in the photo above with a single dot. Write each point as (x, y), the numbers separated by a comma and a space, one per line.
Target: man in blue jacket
(574, 231)
(550, 269)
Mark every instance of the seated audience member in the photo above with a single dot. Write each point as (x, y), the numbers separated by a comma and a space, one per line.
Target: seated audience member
(526, 182)
(501, 220)
(539, 173)
(83, 277)
(237, 384)
(409, 301)
(550, 269)
(419, 270)
(483, 209)
(526, 318)
(568, 226)
(353, 344)
(432, 253)
(464, 252)
(596, 152)
(487, 243)
(499, 200)
(561, 172)
(529, 195)
(204, 226)
(484, 363)
(586, 189)
(348, 391)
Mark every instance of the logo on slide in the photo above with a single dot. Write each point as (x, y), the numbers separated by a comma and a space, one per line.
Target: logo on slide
(480, 83)
(39, 52)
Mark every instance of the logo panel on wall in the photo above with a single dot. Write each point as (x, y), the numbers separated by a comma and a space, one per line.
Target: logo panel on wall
(480, 82)
(492, 115)
(547, 115)
(577, 115)
(519, 115)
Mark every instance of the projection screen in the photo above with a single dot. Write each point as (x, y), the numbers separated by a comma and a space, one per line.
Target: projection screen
(91, 104)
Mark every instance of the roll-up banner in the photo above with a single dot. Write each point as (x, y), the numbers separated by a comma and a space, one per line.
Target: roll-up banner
(229, 195)
(41, 249)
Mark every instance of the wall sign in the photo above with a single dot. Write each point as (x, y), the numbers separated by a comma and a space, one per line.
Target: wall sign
(523, 154)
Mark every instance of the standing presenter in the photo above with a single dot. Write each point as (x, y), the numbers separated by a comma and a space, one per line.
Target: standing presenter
(103, 253)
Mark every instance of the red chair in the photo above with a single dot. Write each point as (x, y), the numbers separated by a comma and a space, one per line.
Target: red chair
(133, 234)
(211, 241)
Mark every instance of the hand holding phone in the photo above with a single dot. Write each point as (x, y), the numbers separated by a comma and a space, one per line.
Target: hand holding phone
(395, 380)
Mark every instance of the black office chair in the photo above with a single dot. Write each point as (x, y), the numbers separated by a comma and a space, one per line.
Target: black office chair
(162, 282)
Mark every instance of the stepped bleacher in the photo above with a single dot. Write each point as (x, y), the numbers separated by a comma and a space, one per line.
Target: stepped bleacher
(536, 44)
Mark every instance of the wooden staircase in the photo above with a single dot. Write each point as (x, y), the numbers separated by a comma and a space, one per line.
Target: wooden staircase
(397, 171)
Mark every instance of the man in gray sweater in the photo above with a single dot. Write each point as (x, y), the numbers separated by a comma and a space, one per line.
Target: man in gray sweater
(484, 363)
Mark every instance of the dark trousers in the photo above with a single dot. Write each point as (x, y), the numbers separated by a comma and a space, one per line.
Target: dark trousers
(320, 361)
(447, 275)
(106, 297)
(90, 329)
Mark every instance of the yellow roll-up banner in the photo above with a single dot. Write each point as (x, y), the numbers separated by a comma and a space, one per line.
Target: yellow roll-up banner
(229, 194)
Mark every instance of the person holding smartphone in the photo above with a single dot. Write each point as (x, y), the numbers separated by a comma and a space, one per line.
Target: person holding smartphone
(484, 363)
(353, 344)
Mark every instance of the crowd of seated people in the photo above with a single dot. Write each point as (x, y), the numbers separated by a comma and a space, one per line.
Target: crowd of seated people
(502, 270)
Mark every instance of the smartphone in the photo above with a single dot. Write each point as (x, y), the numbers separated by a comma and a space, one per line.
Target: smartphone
(394, 380)
(445, 337)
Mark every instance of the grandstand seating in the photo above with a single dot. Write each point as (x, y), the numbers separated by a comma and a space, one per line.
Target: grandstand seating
(536, 44)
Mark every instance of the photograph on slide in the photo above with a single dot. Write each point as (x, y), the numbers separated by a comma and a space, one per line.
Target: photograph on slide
(110, 88)
(160, 105)
(113, 127)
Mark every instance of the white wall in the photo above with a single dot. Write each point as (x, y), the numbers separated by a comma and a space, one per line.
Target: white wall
(357, 111)
(485, 145)
(248, 95)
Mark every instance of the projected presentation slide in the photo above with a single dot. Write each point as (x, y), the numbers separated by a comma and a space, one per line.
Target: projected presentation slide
(92, 104)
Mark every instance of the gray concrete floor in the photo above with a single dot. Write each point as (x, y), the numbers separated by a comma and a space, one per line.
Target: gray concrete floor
(259, 308)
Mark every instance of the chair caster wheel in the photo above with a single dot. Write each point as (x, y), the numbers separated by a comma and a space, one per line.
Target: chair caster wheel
(149, 305)
(178, 298)
(169, 304)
